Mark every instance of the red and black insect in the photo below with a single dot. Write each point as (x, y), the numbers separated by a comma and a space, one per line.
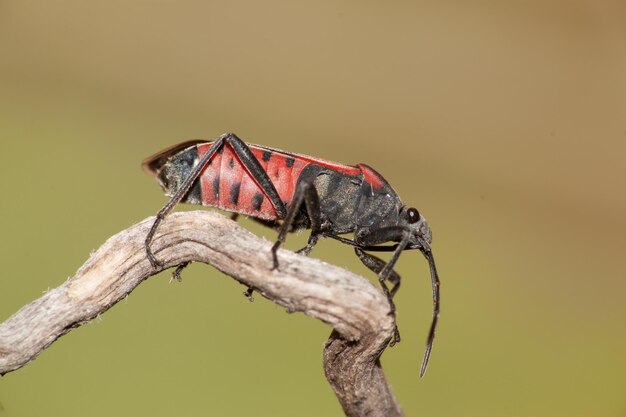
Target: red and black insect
(289, 192)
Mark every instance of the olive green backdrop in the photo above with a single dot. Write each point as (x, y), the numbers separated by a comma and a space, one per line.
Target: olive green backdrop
(501, 121)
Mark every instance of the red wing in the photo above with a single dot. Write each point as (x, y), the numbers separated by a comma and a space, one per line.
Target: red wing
(227, 184)
(154, 162)
(346, 169)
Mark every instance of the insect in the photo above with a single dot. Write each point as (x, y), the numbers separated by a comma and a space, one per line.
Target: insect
(288, 192)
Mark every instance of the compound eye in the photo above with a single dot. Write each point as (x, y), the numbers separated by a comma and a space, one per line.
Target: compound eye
(413, 215)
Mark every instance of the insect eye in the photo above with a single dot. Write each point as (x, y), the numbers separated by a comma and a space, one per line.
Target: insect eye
(413, 215)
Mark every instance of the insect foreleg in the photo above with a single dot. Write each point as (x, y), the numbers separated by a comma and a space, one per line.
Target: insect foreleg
(387, 234)
(376, 265)
(401, 235)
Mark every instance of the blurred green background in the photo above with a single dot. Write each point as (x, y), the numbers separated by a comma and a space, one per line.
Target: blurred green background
(502, 121)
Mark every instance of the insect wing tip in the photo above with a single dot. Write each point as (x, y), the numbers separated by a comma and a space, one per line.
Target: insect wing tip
(152, 164)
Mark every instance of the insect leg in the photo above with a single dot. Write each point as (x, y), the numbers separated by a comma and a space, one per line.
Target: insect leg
(178, 270)
(373, 263)
(376, 265)
(250, 163)
(272, 224)
(254, 168)
(393, 234)
(313, 238)
(248, 294)
(343, 240)
(179, 195)
(307, 194)
(382, 235)
(386, 248)
(387, 234)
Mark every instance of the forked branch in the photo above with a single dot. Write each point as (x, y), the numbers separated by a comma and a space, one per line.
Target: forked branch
(357, 311)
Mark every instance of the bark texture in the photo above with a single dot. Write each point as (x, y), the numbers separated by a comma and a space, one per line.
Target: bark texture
(357, 311)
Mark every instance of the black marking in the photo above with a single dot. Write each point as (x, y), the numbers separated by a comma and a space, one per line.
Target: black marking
(216, 186)
(267, 155)
(289, 161)
(231, 163)
(234, 193)
(257, 200)
(220, 150)
(276, 174)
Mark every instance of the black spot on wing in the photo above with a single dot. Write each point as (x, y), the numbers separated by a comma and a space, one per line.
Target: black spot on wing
(257, 200)
(289, 161)
(234, 193)
(216, 186)
(267, 155)
(231, 163)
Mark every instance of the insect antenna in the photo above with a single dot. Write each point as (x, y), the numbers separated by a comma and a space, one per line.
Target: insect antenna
(434, 276)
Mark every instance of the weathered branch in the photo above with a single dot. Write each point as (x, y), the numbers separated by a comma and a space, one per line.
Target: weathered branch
(357, 311)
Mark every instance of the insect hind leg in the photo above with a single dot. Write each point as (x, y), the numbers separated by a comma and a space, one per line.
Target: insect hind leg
(247, 159)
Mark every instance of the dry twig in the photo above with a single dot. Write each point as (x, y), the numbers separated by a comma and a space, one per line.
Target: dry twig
(358, 312)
